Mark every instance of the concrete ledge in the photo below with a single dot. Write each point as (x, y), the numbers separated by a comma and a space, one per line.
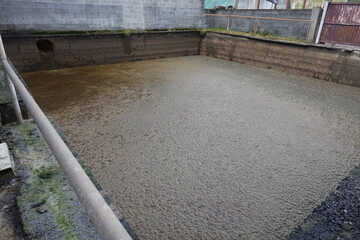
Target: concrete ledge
(5, 158)
(322, 62)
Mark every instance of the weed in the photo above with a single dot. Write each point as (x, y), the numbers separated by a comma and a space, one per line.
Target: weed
(127, 32)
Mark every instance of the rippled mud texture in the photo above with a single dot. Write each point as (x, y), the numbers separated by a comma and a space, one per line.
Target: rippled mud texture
(201, 148)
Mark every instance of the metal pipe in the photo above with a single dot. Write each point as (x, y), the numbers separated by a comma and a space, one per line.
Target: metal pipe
(101, 215)
(228, 23)
(267, 18)
(14, 98)
(322, 22)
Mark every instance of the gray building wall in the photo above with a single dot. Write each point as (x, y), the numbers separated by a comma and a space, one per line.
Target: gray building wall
(60, 15)
(281, 28)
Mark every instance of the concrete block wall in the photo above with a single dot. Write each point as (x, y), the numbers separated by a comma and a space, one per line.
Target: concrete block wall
(282, 28)
(84, 15)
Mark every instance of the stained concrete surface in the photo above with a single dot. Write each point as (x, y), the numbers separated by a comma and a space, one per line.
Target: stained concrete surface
(10, 219)
(201, 148)
(44, 201)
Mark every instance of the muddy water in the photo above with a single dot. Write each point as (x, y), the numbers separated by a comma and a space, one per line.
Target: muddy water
(200, 148)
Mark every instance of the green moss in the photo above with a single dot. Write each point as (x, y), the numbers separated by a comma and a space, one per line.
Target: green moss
(64, 223)
(45, 171)
(26, 132)
(48, 185)
(127, 32)
(202, 32)
(97, 32)
(74, 32)
(45, 185)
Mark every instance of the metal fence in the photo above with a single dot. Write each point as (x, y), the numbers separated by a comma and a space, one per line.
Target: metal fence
(99, 212)
(341, 24)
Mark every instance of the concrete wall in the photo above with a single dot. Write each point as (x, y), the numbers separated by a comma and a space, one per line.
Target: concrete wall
(332, 64)
(282, 28)
(35, 53)
(58, 15)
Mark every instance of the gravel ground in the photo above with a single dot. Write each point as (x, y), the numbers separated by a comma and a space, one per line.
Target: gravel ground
(201, 148)
(336, 218)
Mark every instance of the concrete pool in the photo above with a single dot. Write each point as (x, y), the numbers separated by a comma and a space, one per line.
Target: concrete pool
(202, 148)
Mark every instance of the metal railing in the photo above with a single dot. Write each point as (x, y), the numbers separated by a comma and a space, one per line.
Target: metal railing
(99, 212)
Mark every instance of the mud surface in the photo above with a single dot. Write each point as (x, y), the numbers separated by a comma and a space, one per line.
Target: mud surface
(201, 148)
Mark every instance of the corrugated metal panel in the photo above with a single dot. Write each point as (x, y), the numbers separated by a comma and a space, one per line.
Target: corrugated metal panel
(252, 4)
(210, 4)
(342, 24)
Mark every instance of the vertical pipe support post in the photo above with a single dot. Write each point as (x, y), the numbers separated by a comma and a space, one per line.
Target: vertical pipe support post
(228, 21)
(322, 22)
(14, 98)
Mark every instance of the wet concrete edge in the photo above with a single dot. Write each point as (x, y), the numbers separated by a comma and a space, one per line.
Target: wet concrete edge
(11, 225)
(123, 221)
(47, 205)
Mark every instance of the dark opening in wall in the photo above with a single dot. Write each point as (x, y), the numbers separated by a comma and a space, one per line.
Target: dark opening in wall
(44, 45)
